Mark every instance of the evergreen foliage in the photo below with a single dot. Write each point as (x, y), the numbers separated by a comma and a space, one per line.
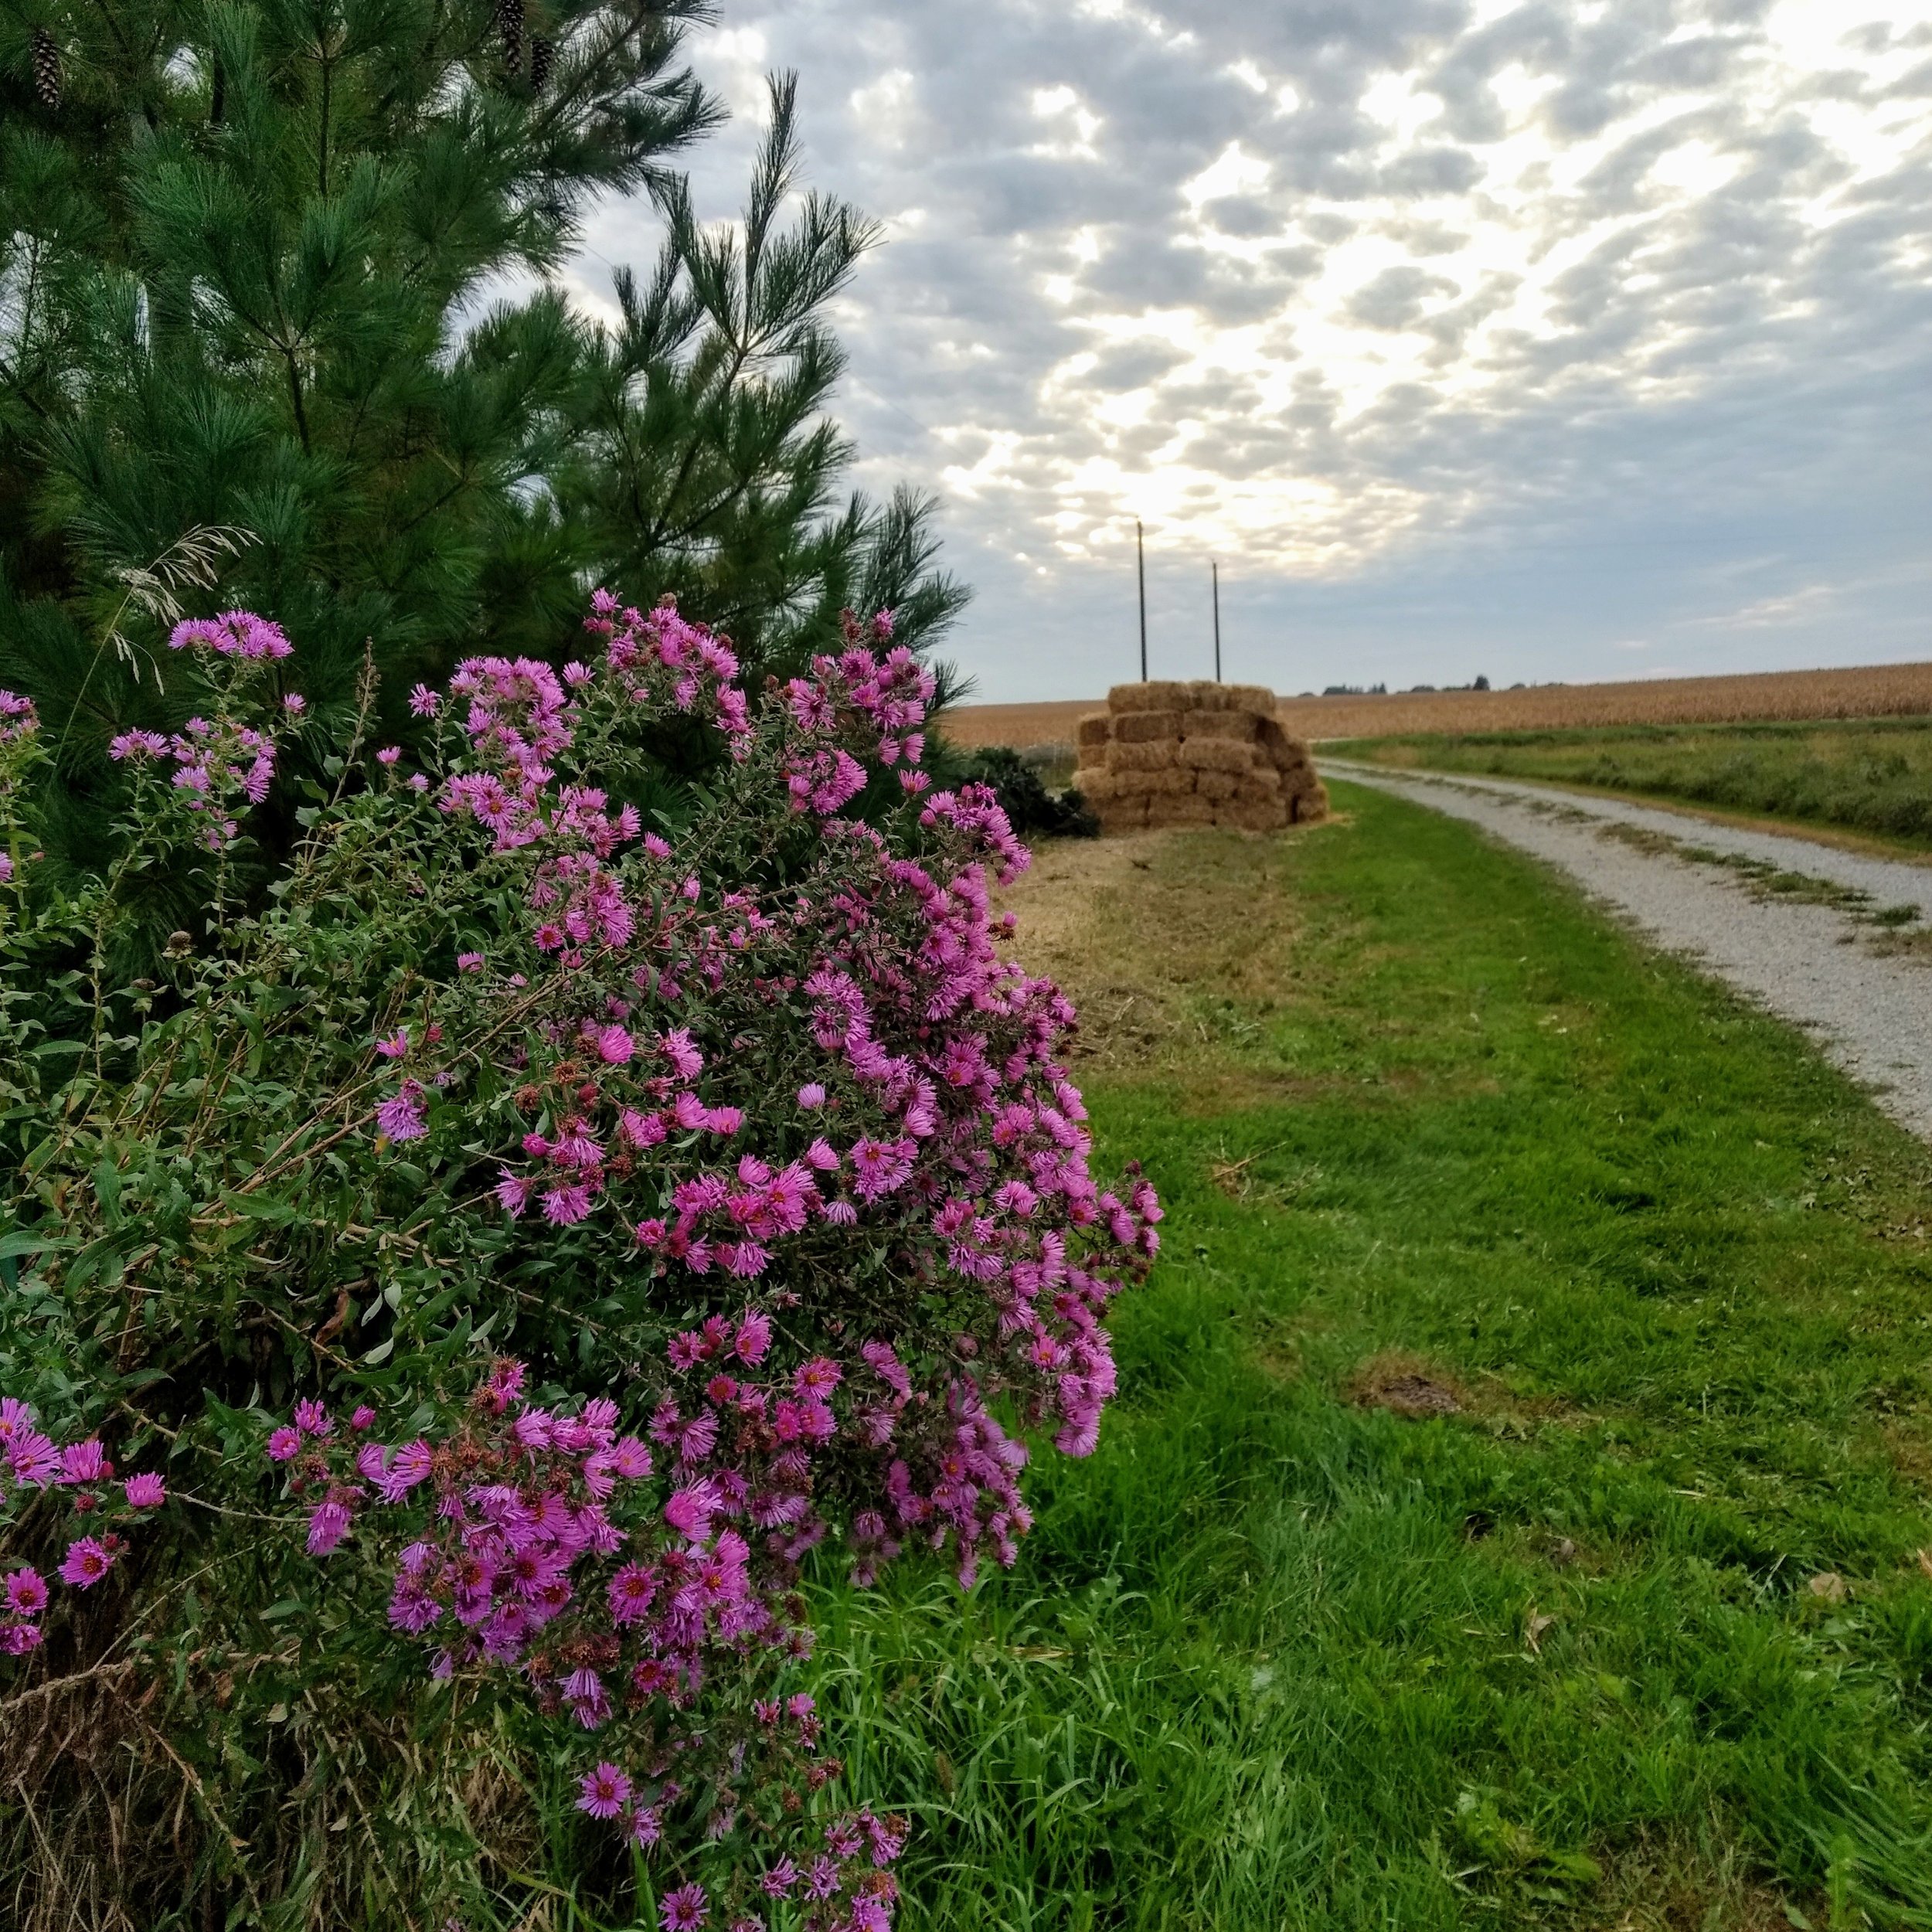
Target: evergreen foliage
(710, 464)
(1032, 811)
(284, 269)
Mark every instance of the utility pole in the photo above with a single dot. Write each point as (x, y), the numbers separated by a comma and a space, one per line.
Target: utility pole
(1216, 568)
(1140, 565)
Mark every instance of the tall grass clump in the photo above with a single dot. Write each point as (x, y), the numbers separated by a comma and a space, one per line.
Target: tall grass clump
(452, 1285)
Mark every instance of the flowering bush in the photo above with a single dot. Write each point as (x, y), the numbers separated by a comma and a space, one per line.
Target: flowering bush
(734, 1127)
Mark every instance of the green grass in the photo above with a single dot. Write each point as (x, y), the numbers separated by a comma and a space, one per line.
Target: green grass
(1871, 776)
(1277, 1657)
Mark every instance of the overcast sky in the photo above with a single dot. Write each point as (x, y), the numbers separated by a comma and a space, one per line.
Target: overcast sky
(1578, 339)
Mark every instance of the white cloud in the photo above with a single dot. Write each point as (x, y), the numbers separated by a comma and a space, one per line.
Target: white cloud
(1390, 293)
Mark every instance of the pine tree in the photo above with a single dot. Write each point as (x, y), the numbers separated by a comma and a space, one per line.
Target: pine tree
(247, 249)
(710, 462)
(238, 249)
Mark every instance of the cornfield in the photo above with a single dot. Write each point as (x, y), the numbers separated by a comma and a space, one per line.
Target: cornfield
(1870, 690)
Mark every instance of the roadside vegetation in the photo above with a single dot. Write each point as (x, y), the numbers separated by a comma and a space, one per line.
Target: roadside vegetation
(1872, 776)
(1516, 1510)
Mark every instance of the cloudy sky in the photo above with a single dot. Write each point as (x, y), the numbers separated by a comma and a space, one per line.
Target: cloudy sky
(1575, 339)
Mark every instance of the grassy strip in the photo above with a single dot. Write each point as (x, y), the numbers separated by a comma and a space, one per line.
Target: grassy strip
(1512, 1516)
(1871, 776)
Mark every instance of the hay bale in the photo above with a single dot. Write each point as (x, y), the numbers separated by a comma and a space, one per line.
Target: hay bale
(1239, 726)
(1194, 755)
(1143, 727)
(1309, 807)
(1159, 695)
(1158, 754)
(1176, 782)
(1192, 810)
(1242, 816)
(1215, 754)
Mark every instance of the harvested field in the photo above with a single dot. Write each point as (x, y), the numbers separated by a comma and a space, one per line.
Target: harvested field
(1871, 690)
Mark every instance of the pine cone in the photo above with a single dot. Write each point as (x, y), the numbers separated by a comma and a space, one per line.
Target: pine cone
(46, 68)
(509, 27)
(543, 58)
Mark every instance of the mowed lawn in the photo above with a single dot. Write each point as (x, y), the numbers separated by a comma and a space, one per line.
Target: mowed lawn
(1638, 1633)
(1870, 776)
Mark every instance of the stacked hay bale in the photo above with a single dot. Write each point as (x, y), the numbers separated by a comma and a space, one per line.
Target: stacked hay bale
(1195, 754)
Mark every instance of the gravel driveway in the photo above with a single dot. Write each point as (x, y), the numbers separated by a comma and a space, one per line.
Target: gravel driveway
(1819, 936)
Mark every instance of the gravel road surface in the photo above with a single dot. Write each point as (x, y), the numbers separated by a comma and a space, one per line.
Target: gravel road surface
(1788, 921)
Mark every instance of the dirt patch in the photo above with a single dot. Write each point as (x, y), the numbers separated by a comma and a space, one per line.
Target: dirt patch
(1407, 1386)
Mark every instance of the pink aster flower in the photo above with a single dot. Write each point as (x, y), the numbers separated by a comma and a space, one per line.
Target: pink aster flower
(469, 962)
(312, 1418)
(395, 1046)
(754, 1337)
(810, 1096)
(633, 1590)
(146, 1491)
(389, 755)
(603, 1792)
(685, 1909)
(294, 703)
(614, 1044)
(85, 1563)
(565, 1206)
(400, 1117)
(82, 1462)
(690, 1510)
(328, 1525)
(284, 1444)
(26, 1593)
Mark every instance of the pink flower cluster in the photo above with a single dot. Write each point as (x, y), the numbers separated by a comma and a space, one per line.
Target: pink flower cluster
(223, 767)
(19, 727)
(18, 720)
(617, 1573)
(889, 694)
(235, 634)
(660, 655)
(215, 766)
(771, 1088)
(873, 963)
(34, 1461)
